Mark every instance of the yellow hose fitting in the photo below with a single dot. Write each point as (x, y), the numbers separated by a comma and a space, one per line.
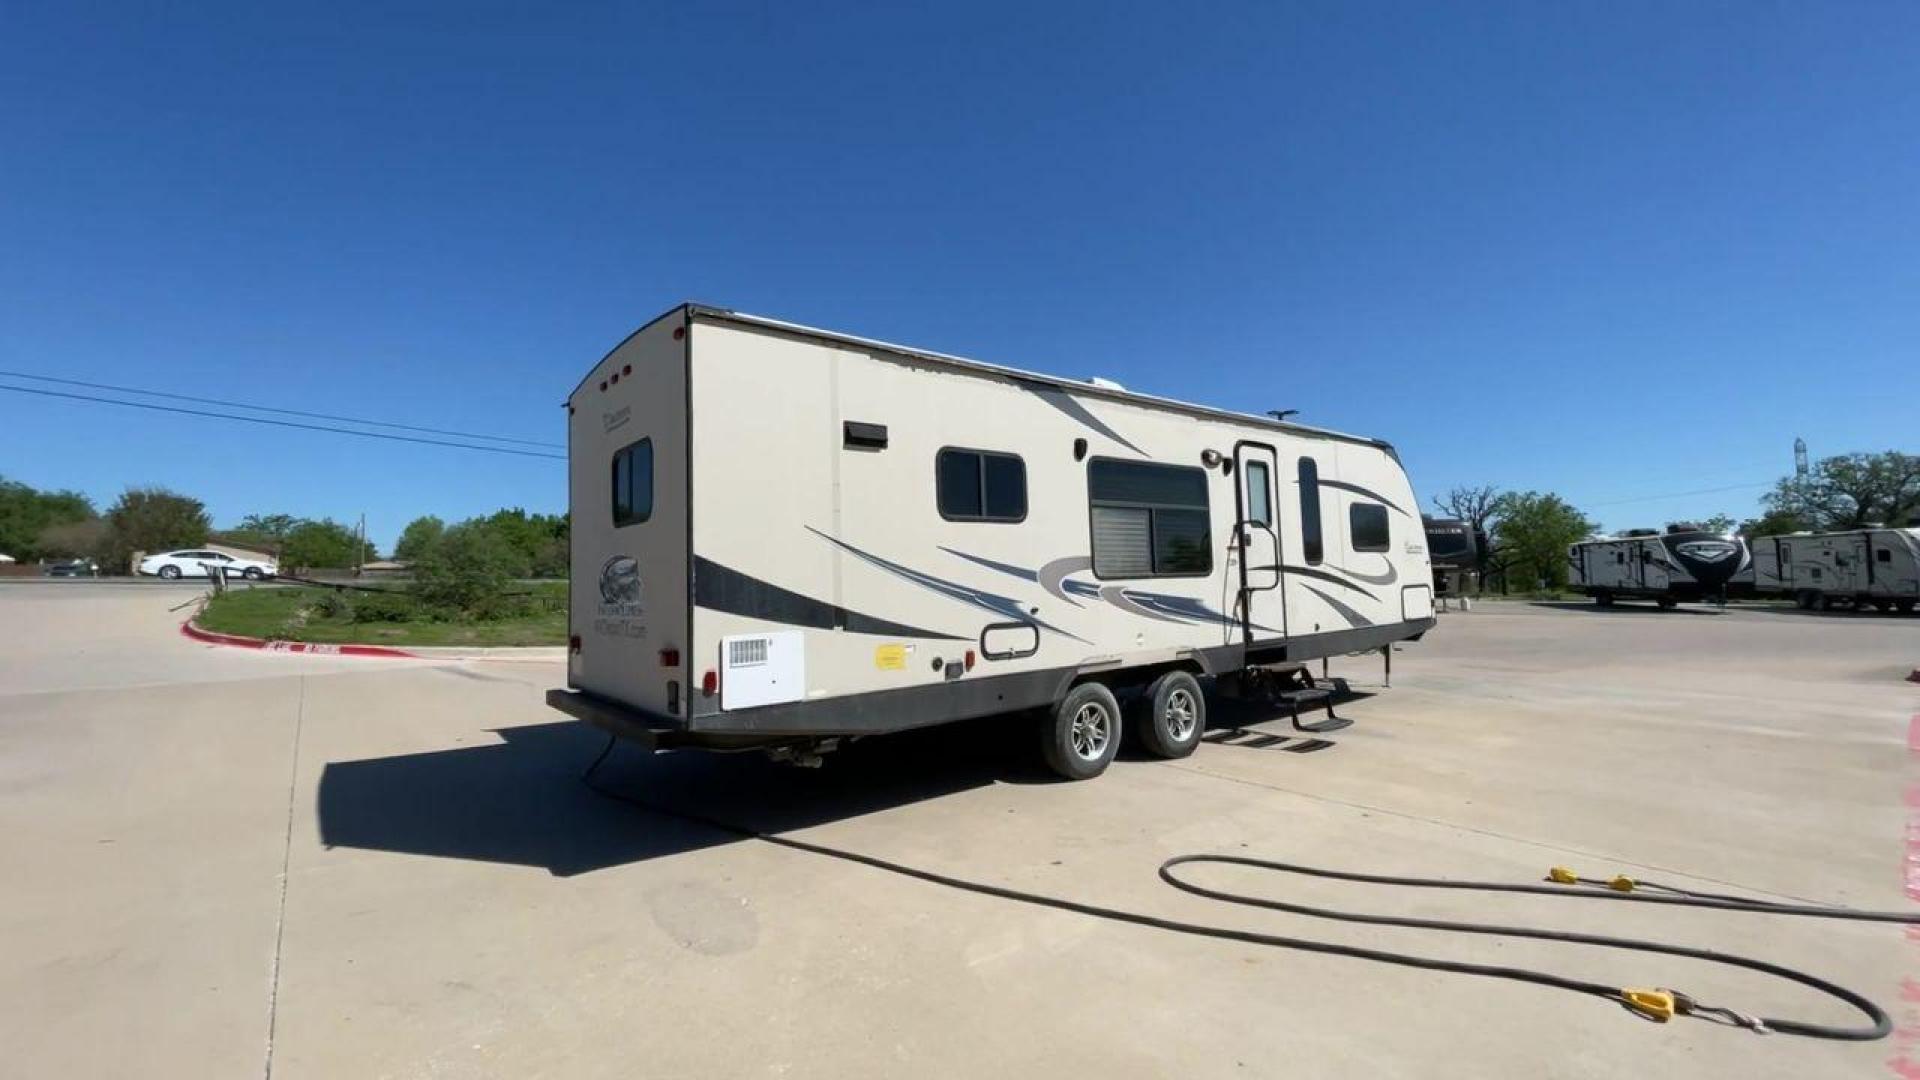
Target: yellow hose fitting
(1653, 1004)
(1621, 883)
(1563, 875)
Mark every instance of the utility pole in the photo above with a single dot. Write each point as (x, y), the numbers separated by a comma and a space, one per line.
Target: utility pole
(360, 545)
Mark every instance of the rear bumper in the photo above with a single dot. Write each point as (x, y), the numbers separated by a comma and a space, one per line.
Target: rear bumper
(651, 730)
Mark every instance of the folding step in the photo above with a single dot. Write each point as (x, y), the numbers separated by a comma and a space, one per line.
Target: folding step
(1312, 697)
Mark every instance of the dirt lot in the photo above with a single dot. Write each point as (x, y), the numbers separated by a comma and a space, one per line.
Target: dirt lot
(219, 863)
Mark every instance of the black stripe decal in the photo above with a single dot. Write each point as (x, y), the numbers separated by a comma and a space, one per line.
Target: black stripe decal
(1353, 617)
(1324, 576)
(721, 588)
(1358, 490)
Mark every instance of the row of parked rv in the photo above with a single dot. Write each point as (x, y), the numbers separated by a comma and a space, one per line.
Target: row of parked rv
(1864, 569)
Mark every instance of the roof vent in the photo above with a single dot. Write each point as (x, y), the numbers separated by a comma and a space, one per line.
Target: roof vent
(1105, 384)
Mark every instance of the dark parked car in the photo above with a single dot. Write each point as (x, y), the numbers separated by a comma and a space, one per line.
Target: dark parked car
(73, 568)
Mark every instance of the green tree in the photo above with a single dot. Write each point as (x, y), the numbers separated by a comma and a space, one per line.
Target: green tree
(1718, 523)
(74, 539)
(1851, 490)
(152, 519)
(322, 544)
(260, 532)
(1773, 523)
(469, 571)
(1476, 506)
(1534, 530)
(26, 513)
(420, 534)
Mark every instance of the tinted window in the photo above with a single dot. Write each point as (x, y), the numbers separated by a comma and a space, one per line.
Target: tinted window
(1259, 497)
(1310, 543)
(633, 483)
(1368, 525)
(978, 485)
(1883, 555)
(1148, 520)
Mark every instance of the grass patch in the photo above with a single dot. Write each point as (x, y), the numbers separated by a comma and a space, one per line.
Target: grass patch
(328, 615)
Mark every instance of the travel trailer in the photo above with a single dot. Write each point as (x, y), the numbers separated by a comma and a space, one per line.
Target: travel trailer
(1453, 546)
(1864, 568)
(784, 537)
(1683, 564)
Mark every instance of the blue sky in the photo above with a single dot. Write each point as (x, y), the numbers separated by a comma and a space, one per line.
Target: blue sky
(1612, 251)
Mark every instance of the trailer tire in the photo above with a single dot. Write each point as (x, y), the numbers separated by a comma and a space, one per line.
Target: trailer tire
(1081, 735)
(1829, 602)
(1603, 598)
(1905, 606)
(1171, 716)
(1806, 599)
(1667, 602)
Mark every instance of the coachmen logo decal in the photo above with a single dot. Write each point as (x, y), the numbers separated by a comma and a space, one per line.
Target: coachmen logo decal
(1709, 551)
(620, 608)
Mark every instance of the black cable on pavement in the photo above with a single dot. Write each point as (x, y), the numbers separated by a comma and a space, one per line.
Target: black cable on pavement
(1651, 1004)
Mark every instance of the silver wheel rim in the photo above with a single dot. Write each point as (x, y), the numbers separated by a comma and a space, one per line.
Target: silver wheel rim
(1182, 716)
(1092, 730)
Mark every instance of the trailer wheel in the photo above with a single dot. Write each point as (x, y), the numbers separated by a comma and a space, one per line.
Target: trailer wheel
(1829, 602)
(1667, 602)
(1081, 736)
(1170, 718)
(1883, 605)
(1603, 598)
(1905, 606)
(1806, 599)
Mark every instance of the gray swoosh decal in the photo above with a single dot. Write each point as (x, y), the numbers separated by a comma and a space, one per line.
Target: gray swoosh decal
(1358, 490)
(1004, 606)
(1392, 575)
(1353, 617)
(1307, 571)
(1065, 402)
(722, 588)
(1117, 596)
(1053, 575)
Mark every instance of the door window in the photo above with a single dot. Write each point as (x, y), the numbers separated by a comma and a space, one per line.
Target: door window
(1259, 493)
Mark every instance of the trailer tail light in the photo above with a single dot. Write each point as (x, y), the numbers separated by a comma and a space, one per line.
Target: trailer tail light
(573, 643)
(710, 683)
(969, 659)
(669, 657)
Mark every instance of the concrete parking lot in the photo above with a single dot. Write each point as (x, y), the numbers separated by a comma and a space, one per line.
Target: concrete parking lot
(222, 863)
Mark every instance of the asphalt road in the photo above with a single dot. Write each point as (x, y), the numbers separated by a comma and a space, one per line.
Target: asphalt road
(223, 863)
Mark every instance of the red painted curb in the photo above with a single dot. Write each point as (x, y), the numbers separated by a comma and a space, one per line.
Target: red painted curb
(314, 648)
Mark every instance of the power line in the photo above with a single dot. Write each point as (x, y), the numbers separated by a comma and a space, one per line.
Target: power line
(271, 409)
(281, 423)
(1682, 494)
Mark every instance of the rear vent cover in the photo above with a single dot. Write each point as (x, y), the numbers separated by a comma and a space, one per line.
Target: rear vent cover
(746, 652)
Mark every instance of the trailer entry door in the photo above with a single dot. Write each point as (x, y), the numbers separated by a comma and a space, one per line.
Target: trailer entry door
(1257, 601)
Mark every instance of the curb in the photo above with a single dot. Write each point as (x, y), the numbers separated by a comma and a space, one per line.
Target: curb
(315, 648)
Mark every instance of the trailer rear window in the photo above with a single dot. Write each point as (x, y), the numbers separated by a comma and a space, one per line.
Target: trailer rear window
(979, 485)
(633, 483)
(1368, 524)
(1148, 520)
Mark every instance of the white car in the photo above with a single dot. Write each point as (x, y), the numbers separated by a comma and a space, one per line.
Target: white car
(196, 563)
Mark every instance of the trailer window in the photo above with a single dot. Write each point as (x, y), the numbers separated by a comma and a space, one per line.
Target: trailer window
(1259, 506)
(1310, 543)
(633, 483)
(1368, 524)
(1883, 555)
(1148, 520)
(980, 485)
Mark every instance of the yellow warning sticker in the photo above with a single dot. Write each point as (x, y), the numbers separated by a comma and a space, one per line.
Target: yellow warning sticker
(890, 657)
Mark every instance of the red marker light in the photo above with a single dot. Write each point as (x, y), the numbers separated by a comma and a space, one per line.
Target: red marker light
(669, 657)
(628, 370)
(710, 682)
(616, 379)
(679, 332)
(969, 659)
(573, 643)
(603, 386)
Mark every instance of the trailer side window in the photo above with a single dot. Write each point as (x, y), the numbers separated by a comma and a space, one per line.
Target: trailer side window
(1258, 507)
(1148, 520)
(1310, 543)
(633, 483)
(1368, 524)
(979, 485)
(1883, 555)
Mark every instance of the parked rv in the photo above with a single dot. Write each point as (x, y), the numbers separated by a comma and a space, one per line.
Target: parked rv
(1682, 564)
(785, 537)
(1453, 546)
(1863, 568)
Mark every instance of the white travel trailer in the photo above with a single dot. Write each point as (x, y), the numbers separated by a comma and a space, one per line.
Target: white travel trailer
(1681, 565)
(783, 537)
(1877, 568)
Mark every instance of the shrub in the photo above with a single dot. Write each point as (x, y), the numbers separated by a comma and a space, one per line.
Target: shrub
(391, 607)
(331, 605)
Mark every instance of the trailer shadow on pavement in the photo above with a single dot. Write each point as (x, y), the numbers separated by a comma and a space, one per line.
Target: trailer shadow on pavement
(522, 801)
(1625, 607)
